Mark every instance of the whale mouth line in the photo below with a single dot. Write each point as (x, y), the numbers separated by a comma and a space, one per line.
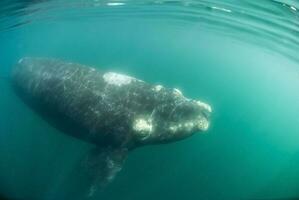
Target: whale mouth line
(198, 124)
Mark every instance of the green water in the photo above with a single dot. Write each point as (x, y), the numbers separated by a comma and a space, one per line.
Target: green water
(240, 57)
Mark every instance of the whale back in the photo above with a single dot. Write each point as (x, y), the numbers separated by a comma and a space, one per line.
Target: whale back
(75, 99)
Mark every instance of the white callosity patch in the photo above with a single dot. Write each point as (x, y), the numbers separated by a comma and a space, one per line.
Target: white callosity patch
(117, 79)
(157, 88)
(204, 106)
(177, 92)
(175, 128)
(200, 123)
(143, 127)
(203, 124)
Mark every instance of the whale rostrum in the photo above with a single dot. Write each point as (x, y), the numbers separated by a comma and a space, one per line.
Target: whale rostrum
(113, 111)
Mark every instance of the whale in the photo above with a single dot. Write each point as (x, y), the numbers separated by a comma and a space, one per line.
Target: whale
(114, 112)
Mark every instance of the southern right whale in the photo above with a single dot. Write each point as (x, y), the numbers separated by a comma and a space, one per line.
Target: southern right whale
(115, 112)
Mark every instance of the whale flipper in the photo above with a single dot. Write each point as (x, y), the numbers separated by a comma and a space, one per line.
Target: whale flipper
(101, 165)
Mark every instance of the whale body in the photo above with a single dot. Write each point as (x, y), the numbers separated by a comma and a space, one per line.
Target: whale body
(115, 112)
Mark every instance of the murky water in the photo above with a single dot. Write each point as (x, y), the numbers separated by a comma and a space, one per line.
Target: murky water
(241, 57)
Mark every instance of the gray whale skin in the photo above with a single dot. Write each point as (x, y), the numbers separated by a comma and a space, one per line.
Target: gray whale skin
(113, 111)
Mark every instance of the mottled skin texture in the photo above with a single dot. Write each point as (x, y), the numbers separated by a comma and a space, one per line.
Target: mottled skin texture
(112, 111)
(104, 113)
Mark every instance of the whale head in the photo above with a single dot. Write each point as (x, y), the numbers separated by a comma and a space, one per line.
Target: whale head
(173, 117)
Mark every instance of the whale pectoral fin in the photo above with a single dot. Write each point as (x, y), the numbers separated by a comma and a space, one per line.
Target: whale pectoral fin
(101, 166)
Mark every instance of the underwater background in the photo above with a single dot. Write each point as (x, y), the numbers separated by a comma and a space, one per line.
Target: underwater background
(241, 57)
